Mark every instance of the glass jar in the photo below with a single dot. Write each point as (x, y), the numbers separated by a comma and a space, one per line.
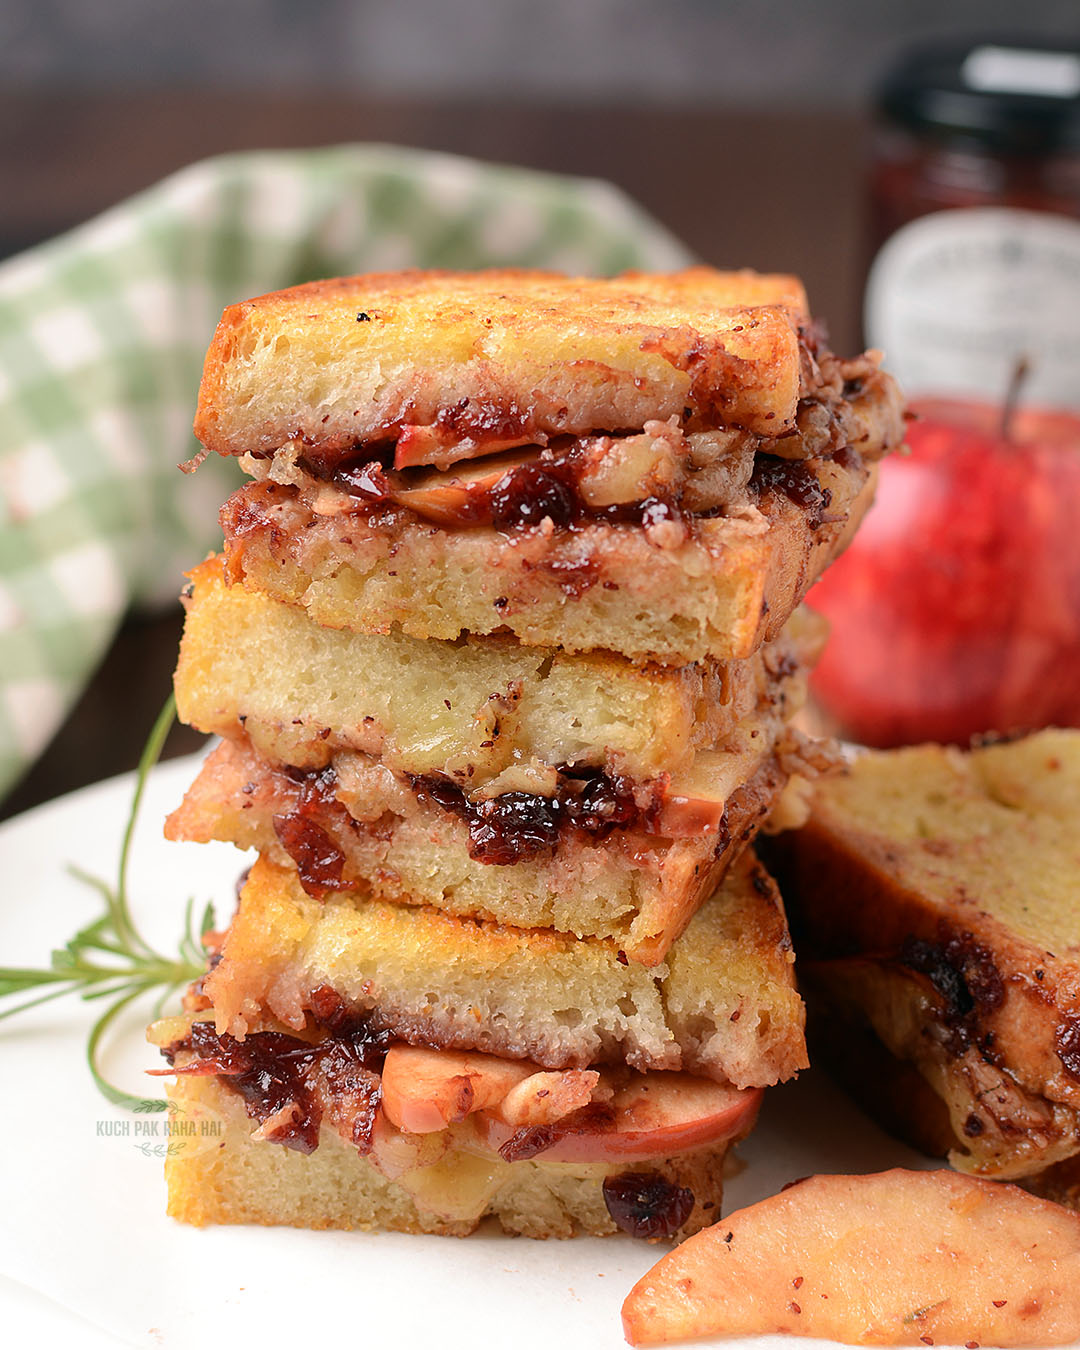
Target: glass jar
(975, 219)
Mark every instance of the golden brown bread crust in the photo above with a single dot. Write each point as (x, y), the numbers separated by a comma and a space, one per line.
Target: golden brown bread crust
(731, 585)
(638, 889)
(470, 711)
(221, 1174)
(500, 357)
(953, 875)
(724, 1005)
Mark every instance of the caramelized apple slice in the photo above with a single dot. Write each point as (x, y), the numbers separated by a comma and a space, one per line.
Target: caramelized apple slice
(456, 498)
(395, 1153)
(897, 1258)
(543, 1098)
(653, 1115)
(628, 469)
(437, 446)
(694, 801)
(426, 1090)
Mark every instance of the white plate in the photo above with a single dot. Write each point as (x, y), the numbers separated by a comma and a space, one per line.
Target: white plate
(85, 1243)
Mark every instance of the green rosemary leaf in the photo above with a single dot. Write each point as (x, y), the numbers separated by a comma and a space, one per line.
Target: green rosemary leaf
(14, 981)
(102, 887)
(163, 997)
(119, 907)
(96, 992)
(108, 1090)
(189, 944)
(133, 968)
(33, 1002)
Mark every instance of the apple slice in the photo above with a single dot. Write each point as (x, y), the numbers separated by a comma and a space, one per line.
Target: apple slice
(423, 446)
(543, 1098)
(694, 801)
(629, 469)
(896, 1258)
(653, 1115)
(426, 1090)
(394, 1153)
(457, 498)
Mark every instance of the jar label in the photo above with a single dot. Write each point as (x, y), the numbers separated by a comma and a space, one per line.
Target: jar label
(957, 298)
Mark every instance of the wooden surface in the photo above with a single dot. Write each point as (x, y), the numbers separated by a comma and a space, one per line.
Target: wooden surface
(780, 191)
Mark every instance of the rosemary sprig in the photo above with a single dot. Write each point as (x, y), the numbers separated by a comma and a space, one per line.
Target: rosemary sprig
(109, 959)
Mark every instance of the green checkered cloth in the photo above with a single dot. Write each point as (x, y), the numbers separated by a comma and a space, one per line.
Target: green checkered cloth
(102, 334)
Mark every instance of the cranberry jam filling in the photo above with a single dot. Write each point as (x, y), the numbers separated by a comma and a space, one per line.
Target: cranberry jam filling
(522, 497)
(516, 826)
(510, 828)
(284, 1081)
(796, 480)
(319, 861)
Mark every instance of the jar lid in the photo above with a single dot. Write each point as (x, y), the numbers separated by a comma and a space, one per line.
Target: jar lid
(1013, 96)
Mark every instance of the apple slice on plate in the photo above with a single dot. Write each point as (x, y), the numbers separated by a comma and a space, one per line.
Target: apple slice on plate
(650, 1115)
(456, 497)
(896, 1258)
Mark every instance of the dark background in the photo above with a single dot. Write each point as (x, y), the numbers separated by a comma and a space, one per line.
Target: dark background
(742, 125)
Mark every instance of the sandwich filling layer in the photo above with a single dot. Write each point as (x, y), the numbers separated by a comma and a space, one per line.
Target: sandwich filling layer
(352, 826)
(353, 1168)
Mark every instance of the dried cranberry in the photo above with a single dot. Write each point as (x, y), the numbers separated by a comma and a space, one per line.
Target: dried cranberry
(529, 1141)
(647, 1205)
(271, 1071)
(604, 804)
(319, 861)
(513, 826)
(529, 493)
(353, 1090)
(268, 1071)
(519, 825)
(447, 795)
(1067, 1045)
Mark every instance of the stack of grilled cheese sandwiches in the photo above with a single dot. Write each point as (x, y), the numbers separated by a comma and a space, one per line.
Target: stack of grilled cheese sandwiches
(503, 648)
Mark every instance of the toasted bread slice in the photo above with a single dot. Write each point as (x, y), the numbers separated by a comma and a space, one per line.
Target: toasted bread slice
(933, 895)
(717, 592)
(467, 711)
(220, 1171)
(723, 1006)
(359, 826)
(501, 357)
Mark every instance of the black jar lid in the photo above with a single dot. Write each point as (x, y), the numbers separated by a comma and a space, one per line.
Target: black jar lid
(1013, 96)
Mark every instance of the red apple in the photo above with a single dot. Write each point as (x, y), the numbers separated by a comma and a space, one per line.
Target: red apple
(653, 1115)
(956, 609)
